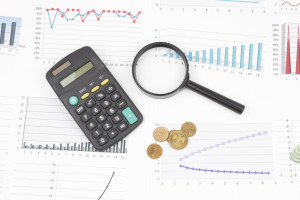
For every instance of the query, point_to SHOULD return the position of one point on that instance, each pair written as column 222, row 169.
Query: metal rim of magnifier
column 156, row 45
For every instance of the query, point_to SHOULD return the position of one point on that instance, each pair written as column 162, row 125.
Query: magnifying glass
column 161, row 70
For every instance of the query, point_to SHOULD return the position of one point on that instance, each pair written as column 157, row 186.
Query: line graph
column 223, row 171
column 217, row 146
column 221, row 151
column 107, row 185
column 78, row 178
column 76, row 13
column 287, row 3
column 288, row 6
column 115, row 35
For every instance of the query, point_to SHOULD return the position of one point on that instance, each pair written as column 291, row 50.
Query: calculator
column 94, row 98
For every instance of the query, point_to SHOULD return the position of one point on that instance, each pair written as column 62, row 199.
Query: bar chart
column 218, row 49
column 10, row 31
column 49, row 126
column 291, row 49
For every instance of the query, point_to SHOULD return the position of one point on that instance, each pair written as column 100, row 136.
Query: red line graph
column 290, row 4
column 98, row 15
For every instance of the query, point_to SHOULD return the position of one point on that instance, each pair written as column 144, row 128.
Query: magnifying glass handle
column 228, row 103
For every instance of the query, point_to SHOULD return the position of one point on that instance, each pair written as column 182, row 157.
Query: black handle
column 228, row 103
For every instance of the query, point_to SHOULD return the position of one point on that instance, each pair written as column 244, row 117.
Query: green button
column 73, row 100
column 129, row 115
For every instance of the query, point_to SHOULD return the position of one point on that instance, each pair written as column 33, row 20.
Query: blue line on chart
column 223, row 143
column 83, row 15
column 225, row 171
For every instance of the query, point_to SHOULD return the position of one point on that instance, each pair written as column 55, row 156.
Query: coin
column 189, row 128
column 178, row 139
column 161, row 134
column 171, row 132
column 154, row 151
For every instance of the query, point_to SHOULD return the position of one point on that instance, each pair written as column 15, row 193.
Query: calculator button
column 90, row 102
column 105, row 82
column 91, row 125
column 108, row 125
column 100, row 96
column 73, row 100
column 96, row 133
column 95, row 88
column 129, row 115
column 121, row 104
column 115, row 96
column 106, row 103
column 117, row 118
column 85, row 96
column 95, row 110
column 109, row 89
column 122, row 126
column 111, row 111
column 86, row 117
column 80, row 109
column 113, row 133
column 101, row 118
column 102, row 140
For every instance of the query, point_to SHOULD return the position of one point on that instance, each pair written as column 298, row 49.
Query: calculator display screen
column 75, row 75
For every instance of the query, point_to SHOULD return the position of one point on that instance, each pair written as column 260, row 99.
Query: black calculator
column 94, row 98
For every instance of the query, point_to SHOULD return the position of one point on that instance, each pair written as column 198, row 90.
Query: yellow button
column 95, row 88
column 105, row 82
column 85, row 95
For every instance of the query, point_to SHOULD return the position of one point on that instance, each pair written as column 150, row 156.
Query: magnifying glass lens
column 160, row 70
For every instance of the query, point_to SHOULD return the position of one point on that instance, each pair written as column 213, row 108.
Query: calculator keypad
column 86, row 117
column 109, row 89
column 106, row 103
column 90, row 102
column 106, row 115
column 80, row 109
column 121, row 104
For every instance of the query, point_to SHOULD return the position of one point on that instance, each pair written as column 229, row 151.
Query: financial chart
column 289, row 135
column 114, row 34
column 9, row 35
column 289, row 6
column 215, row 3
column 222, row 152
column 291, row 49
column 65, row 179
column 246, row 50
column 49, row 126
column 219, row 49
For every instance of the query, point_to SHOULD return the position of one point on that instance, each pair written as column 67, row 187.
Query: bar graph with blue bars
column 236, row 56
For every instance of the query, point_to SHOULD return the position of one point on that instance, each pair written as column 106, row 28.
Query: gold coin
column 189, row 128
column 171, row 132
column 178, row 139
column 161, row 134
column 154, row 151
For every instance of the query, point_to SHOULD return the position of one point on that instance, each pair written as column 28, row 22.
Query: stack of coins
column 295, row 155
column 178, row 139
